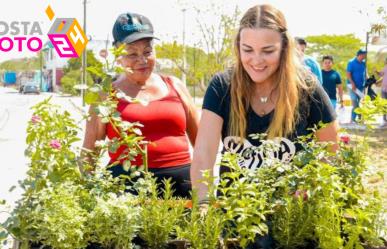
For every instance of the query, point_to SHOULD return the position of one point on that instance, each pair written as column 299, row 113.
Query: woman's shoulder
column 171, row 80
column 223, row 77
column 117, row 82
column 168, row 78
column 221, row 81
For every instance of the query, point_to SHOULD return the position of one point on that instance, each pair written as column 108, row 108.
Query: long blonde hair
column 288, row 77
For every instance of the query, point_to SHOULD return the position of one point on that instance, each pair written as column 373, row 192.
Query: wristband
column 204, row 201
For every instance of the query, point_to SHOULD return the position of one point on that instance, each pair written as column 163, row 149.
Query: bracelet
column 204, row 201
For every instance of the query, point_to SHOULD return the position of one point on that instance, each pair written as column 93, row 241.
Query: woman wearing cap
column 167, row 119
column 266, row 91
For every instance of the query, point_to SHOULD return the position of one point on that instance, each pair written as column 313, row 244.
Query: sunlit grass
column 377, row 156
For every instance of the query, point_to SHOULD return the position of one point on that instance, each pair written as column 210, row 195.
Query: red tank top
column 164, row 122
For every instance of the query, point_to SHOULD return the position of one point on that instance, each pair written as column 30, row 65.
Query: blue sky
column 305, row 17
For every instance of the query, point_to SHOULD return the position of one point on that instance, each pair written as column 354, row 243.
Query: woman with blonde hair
column 266, row 91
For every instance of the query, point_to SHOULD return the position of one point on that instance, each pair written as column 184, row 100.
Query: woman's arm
column 206, row 148
column 192, row 114
column 329, row 134
column 95, row 130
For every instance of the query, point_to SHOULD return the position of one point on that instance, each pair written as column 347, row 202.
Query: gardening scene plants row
column 316, row 200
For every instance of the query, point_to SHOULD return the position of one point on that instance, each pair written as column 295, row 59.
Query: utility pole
column 184, row 77
column 41, row 69
column 84, row 57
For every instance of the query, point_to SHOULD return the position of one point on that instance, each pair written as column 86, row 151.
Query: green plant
column 59, row 219
column 203, row 225
column 317, row 198
column 57, row 197
column 244, row 202
column 202, row 231
column 114, row 221
column 370, row 109
column 159, row 217
column 51, row 134
column 286, row 224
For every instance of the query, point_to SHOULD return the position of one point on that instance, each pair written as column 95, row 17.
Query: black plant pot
column 38, row 245
column 172, row 244
column 178, row 244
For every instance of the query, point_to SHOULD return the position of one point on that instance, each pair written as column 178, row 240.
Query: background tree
column 72, row 73
column 341, row 47
column 212, row 52
column 76, row 63
column 381, row 26
column 217, row 39
column 380, row 29
column 196, row 60
column 23, row 64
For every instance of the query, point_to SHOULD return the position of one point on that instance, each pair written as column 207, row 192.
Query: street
column 15, row 113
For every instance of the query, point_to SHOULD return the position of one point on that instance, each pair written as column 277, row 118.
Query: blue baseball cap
column 131, row 27
column 361, row 51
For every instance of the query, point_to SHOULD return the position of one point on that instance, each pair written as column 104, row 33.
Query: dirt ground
column 377, row 158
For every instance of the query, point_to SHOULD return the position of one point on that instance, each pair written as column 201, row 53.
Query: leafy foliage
column 213, row 51
column 52, row 164
column 341, row 47
column 318, row 197
column 72, row 79
column 245, row 204
column 24, row 64
column 59, row 218
column 370, row 109
column 72, row 73
column 114, row 221
column 203, row 230
column 159, row 217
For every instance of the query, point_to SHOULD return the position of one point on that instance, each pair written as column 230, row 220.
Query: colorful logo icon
column 66, row 35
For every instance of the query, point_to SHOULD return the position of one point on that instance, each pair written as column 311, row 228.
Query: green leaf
column 12, row 188
column 97, row 71
column 91, row 97
column 126, row 165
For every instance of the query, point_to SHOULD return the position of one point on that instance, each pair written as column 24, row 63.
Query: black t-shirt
column 218, row 100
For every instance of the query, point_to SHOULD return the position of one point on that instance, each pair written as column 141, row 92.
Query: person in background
column 169, row 117
column 356, row 75
column 331, row 81
column 308, row 61
column 266, row 91
column 383, row 73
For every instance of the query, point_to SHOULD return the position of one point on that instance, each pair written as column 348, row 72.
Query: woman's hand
column 205, row 150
